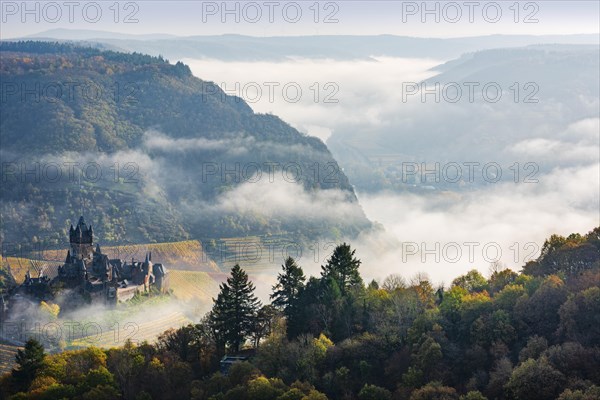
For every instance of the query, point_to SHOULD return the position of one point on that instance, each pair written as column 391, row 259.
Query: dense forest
column 523, row 336
column 145, row 149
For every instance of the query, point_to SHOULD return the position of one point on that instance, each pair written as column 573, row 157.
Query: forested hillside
column 532, row 335
column 146, row 150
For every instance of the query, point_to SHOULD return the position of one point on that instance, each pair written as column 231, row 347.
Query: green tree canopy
column 29, row 361
column 289, row 284
column 342, row 267
column 234, row 310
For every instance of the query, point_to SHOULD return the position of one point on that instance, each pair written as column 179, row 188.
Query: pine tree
column 29, row 361
column 342, row 268
column 234, row 310
column 289, row 284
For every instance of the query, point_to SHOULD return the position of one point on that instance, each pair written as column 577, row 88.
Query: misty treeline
column 528, row 335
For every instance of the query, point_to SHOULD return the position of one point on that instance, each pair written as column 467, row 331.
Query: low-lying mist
column 98, row 324
column 445, row 231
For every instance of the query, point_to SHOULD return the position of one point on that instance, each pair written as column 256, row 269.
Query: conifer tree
column 289, row 285
column 342, row 268
column 29, row 361
column 234, row 310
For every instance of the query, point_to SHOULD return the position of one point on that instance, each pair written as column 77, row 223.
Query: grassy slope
column 7, row 357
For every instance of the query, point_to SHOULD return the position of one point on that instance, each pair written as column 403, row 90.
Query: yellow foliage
column 156, row 364
column 51, row 309
column 478, row 297
column 320, row 345
column 553, row 281
column 41, row 383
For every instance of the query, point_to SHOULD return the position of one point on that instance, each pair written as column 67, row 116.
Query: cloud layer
column 559, row 135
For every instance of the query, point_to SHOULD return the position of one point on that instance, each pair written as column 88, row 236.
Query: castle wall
column 162, row 283
column 125, row 294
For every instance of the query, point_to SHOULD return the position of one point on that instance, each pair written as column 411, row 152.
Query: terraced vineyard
column 18, row 267
column 254, row 253
column 193, row 285
column 117, row 334
column 7, row 357
column 186, row 255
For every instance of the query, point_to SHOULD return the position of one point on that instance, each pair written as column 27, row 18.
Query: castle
column 90, row 273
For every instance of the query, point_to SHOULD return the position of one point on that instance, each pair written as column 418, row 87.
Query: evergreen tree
column 263, row 323
column 289, row 285
column 29, row 361
column 342, row 268
column 234, row 310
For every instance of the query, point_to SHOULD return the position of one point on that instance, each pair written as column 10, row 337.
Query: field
column 118, row 333
column 7, row 357
column 193, row 286
column 254, row 253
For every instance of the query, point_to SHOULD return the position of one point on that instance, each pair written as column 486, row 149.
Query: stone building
column 102, row 279
column 90, row 276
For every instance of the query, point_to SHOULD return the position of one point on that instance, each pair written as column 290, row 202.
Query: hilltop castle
column 92, row 274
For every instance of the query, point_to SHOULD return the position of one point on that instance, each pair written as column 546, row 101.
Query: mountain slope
column 151, row 153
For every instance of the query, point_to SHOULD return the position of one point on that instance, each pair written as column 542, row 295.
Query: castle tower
column 147, row 271
column 82, row 241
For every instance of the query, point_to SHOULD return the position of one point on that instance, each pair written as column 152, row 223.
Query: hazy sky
column 273, row 18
